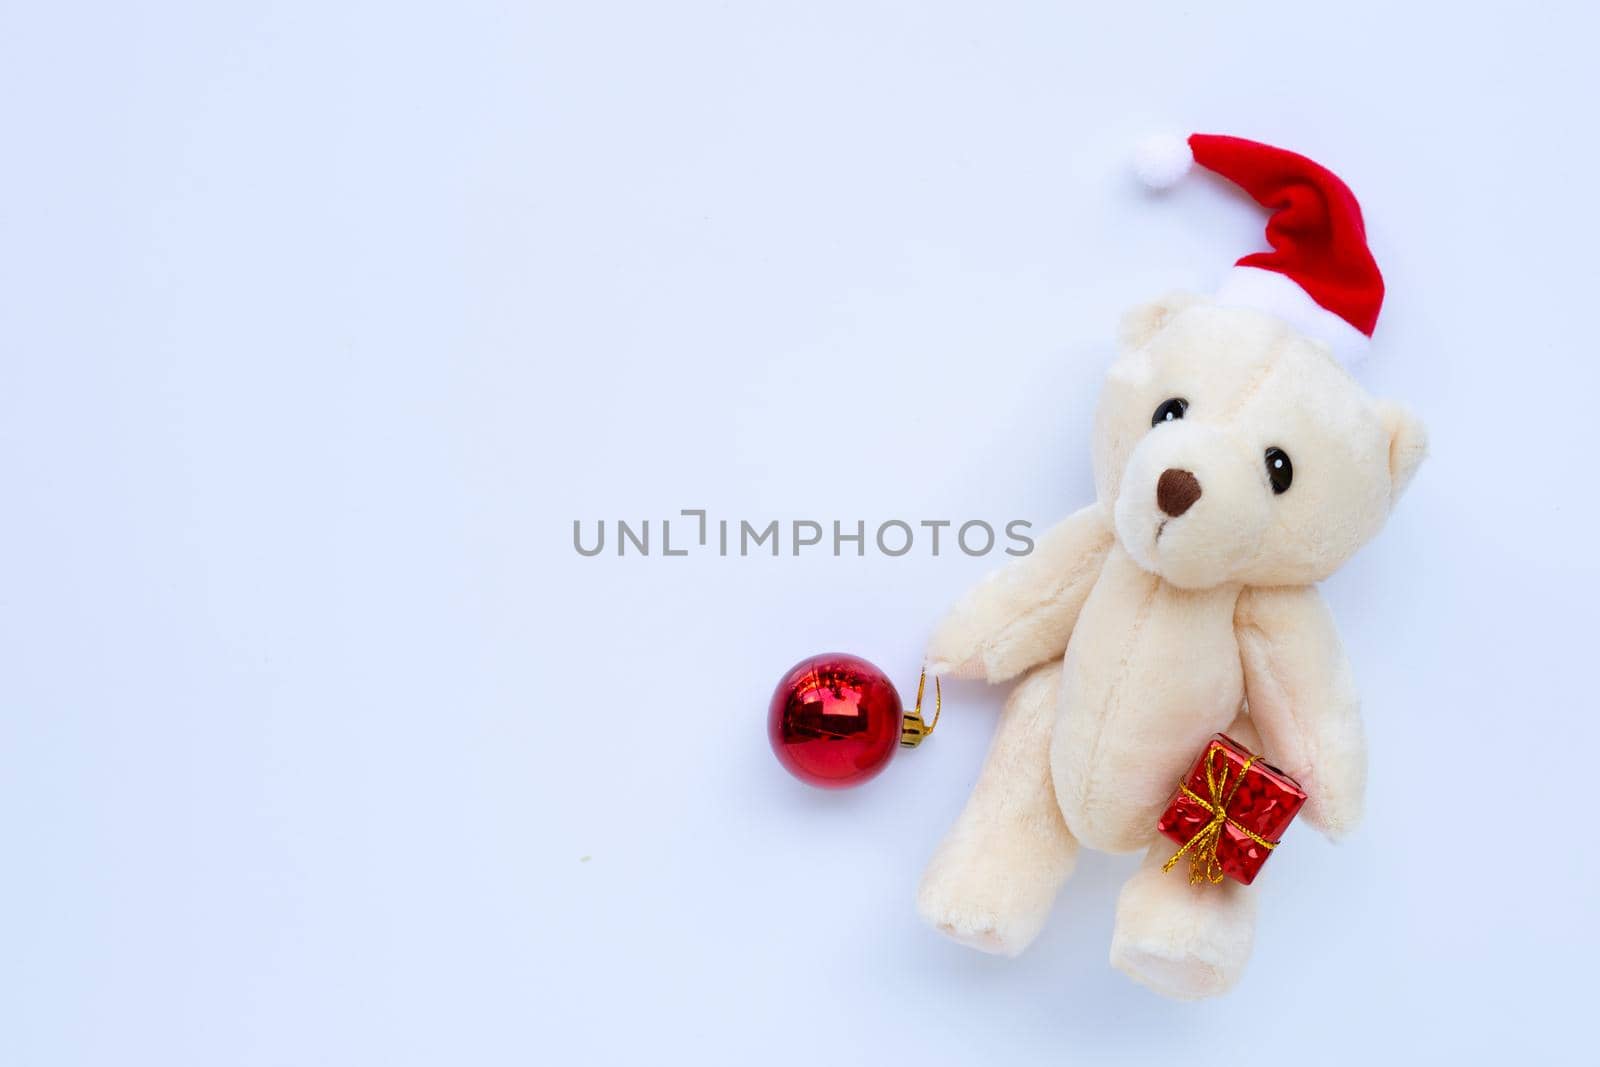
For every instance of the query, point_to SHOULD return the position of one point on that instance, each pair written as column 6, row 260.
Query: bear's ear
column 1146, row 320
column 1408, row 444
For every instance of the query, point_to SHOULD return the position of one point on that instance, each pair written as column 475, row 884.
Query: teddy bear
column 1237, row 462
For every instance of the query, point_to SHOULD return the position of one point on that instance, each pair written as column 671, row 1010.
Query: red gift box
column 1229, row 812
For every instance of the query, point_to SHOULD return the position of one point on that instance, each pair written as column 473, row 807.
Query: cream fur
column 993, row 880
column 1303, row 701
column 1146, row 633
column 1021, row 616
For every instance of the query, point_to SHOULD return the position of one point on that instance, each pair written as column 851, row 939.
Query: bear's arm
column 1022, row 615
column 1302, row 699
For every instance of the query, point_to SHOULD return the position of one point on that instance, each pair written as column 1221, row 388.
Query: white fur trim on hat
column 1277, row 294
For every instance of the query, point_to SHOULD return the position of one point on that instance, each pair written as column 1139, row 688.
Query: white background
column 321, row 323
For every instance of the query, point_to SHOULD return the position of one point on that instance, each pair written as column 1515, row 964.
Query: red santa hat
column 1320, row 276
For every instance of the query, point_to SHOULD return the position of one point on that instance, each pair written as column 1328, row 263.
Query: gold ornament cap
column 913, row 730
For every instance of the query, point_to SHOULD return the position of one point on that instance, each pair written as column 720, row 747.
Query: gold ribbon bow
column 1203, row 863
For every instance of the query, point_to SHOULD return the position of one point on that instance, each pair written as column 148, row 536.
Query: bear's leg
column 992, row 881
column 1182, row 940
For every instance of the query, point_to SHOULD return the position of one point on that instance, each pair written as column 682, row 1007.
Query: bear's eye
column 1169, row 411
column 1280, row 472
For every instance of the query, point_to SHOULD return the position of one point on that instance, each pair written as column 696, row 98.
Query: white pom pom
column 1162, row 161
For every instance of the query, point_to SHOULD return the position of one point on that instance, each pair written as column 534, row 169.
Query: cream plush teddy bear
column 1236, row 464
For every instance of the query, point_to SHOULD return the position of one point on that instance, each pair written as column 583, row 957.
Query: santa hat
column 1320, row 276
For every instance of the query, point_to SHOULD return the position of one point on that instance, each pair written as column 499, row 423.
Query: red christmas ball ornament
column 835, row 719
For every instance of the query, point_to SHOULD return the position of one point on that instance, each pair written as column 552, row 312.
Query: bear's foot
column 1181, row 940
column 994, row 895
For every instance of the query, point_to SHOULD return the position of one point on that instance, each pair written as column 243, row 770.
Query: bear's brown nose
column 1176, row 491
